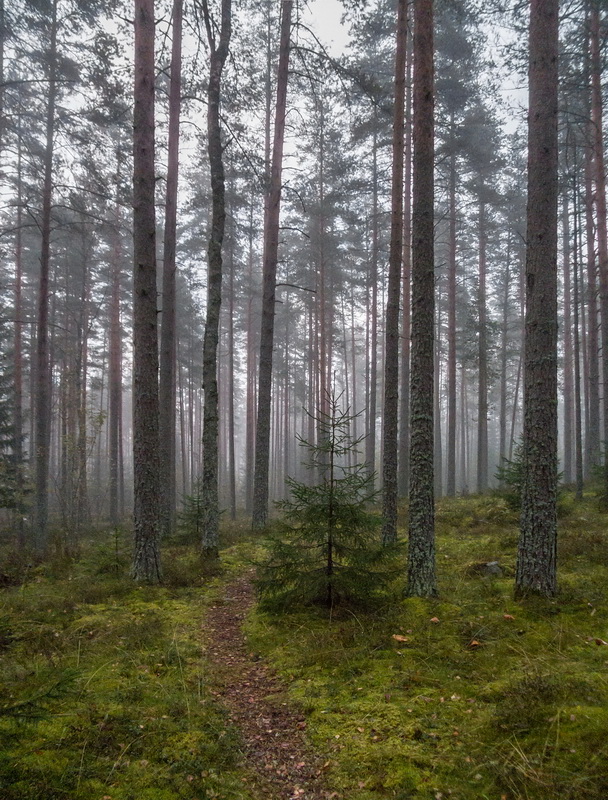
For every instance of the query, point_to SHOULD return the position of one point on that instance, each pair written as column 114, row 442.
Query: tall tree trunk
column 577, row 364
column 209, row 486
column 391, row 363
column 568, row 353
column 167, row 384
column 251, row 373
column 372, row 394
column 271, row 248
column 421, row 552
column 482, row 396
column 115, row 359
column 231, row 388
column 592, row 382
column 451, row 432
column 504, row 344
column 600, row 205
column 404, row 401
column 536, row 557
column 146, row 512
column 42, row 401
column 2, row 49
column 18, row 346
column 437, row 437
column 464, row 432
column 81, row 374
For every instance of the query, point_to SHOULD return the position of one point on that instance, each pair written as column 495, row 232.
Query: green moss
column 103, row 688
column 496, row 698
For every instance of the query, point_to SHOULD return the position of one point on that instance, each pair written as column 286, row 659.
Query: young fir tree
column 327, row 549
column 191, row 518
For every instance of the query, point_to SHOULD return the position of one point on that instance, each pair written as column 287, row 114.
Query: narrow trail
column 277, row 754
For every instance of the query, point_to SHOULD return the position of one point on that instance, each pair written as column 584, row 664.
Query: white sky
column 323, row 16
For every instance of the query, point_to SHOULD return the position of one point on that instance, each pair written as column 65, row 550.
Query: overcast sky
column 324, row 17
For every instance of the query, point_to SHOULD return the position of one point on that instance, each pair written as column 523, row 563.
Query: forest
column 303, row 417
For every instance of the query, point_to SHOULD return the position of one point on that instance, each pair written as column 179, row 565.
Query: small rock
column 486, row 569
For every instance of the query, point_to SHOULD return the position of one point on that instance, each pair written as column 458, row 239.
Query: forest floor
column 280, row 760
column 190, row 691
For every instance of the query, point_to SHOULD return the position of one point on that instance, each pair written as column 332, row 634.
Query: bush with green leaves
column 326, row 548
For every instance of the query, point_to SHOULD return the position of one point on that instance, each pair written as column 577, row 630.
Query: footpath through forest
column 282, row 763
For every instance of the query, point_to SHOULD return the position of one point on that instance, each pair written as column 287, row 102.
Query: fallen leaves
column 508, row 617
column 435, row 620
column 399, row 638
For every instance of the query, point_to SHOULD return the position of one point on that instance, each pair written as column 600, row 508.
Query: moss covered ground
column 104, row 692
column 472, row 695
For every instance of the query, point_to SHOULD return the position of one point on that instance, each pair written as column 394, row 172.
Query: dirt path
column 272, row 731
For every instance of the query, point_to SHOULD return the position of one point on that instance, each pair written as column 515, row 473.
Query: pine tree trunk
column 451, row 432
column 271, row 247
column 146, row 514
column 251, row 374
column 209, row 485
column 600, row 205
column 482, row 395
column 231, row 388
column 536, row 558
column 391, row 363
column 421, row 552
column 404, row 410
column 167, row 384
column 370, row 441
column 42, row 399
column 504, row 343
column 115, row 366
column 568, row 353
column 577, row 363
column 437, row 437
column 18, row 346
column 592, row 378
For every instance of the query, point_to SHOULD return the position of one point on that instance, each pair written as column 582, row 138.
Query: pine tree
column 537, row 552
column 326, row 551
column 11, row 479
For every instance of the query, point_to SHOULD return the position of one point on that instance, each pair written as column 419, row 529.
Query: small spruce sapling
column 326, row 550
column 191, row 517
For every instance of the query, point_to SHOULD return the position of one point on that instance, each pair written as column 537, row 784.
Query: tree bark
column 115, row 359
column 600, row 206
column 209, row 486
column 271, row 248
column 504, row 344
column 42, row 400
column 167, row 384
column 391, row 362
column 404, row 401
column 146, row 513
column 482, row 394
column 18, row 345
column 577, row 364
column 568, row 352
column 592, row 379
column 536, row 557
column 421, row 553
column 451, row 432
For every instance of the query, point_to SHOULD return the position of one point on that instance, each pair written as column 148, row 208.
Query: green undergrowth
column 103, row 689
column 472, row 695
